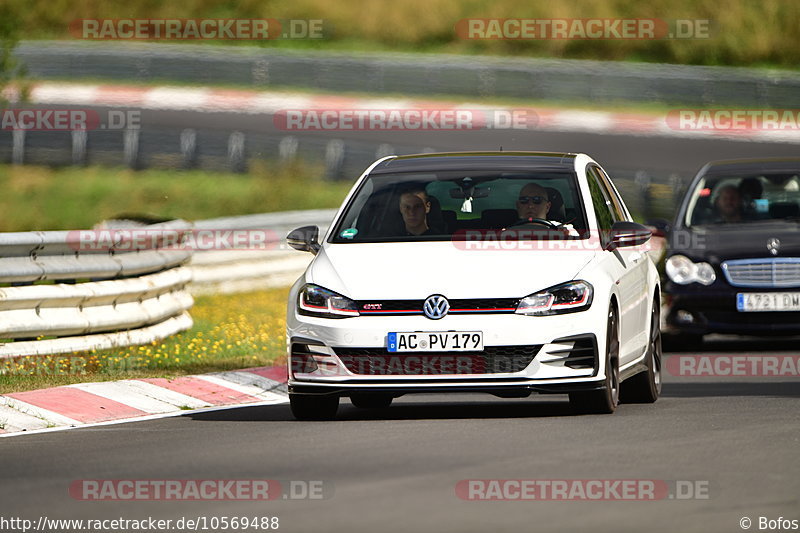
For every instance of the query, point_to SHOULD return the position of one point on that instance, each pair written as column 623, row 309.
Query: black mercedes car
column 733, row 256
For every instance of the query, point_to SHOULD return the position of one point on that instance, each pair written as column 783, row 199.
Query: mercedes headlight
column 683, row 271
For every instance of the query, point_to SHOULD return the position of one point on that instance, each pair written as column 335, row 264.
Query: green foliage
column 11, row 71
column 42, row 198
column 743, row 32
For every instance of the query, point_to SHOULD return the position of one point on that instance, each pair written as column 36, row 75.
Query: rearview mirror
column 628, row 234
column 477, row 192
column 304, row 239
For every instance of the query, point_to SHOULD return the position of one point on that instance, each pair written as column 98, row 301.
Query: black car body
column 745, row 277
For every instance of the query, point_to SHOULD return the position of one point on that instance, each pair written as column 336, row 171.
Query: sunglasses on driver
column 528, row 199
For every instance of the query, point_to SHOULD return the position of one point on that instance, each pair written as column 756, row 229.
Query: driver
column 729, row 204
column 533, row 203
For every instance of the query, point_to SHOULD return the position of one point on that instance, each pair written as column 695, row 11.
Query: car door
column 641, row 259
column 629, row 266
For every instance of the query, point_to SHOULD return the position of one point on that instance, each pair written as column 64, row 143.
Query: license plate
column 768, row 301
column 435, row 341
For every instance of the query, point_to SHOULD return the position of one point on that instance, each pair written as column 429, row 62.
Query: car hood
column 410, row 271
column 736, row 241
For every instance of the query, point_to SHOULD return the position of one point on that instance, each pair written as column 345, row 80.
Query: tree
column 12, row 71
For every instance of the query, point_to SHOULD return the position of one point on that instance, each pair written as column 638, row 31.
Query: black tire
column 313, row 406
column 371, row 401
column 645, row 387
column 605, row 400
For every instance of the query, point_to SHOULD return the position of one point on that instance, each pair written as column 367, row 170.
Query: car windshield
column 745, row 198
column 448, row 205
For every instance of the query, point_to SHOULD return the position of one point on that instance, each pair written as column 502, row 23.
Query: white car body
column 624, row 278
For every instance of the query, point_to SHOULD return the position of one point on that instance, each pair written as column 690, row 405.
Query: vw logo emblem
column 774, row 246
column 436, row 307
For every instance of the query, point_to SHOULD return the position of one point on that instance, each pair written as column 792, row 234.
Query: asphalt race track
column 733, row 441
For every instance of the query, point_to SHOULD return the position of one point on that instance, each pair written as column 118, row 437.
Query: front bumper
column 563, row 360
column 503, row 390
column 696, row 309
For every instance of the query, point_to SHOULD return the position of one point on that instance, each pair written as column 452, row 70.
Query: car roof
column 768, row 165
column 472, row 161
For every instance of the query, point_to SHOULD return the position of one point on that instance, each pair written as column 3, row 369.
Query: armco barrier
column 226, row 271
column 59, row 298
column 88, row 299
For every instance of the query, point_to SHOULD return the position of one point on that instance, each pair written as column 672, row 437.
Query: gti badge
column 774, row 246
column 436, row 307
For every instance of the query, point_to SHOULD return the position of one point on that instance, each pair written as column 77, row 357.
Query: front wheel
column 313, row 406
column 606, row 399
column 645, row 387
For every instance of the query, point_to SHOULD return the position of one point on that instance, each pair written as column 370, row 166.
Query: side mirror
column 304, row 239
column 661, row 226
column 628, row 234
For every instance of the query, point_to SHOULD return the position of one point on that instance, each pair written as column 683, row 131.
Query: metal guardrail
column 475, row 76
column 158, row 146
column 228, row 271
column 56, row 255
column 126, row 293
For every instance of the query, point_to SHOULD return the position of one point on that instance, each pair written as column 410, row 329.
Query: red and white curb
column 84, row 404
column 205, row 99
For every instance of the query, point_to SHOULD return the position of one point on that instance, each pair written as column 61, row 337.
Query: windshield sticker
column 349, row 233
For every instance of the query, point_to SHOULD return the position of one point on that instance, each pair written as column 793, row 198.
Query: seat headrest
column 557, row 211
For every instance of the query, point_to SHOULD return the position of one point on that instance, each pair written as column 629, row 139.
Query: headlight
column 565, row 298
column 683, row 271
column 313, row 300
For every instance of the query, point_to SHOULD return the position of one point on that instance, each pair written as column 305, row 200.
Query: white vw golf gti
column 503, row 272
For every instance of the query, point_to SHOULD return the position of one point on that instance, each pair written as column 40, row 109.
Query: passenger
column 414, row 207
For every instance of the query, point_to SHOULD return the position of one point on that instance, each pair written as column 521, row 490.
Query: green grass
column 743, row 32
column 41, row 198
column 229, row 332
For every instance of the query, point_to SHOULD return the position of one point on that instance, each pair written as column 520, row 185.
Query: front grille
column 493, row 360
column 771, row 273
column 457, row 306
